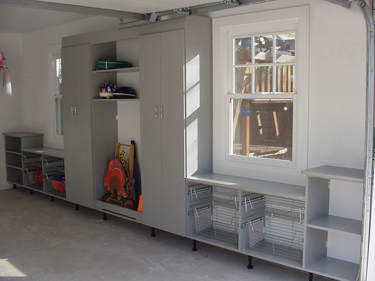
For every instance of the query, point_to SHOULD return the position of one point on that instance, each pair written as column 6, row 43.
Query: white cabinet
column 175, row 102
column 162, row 130
column 334, row 221
column 76, row 108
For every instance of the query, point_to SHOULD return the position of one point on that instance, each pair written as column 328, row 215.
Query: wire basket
column 281, row 228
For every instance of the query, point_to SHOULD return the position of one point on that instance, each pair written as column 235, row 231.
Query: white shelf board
column 279, row 259
column 109, row 100
column 336, row 173
column 47, row 151
column 335, row 268
column 121, row 70
column 337, row 224
column 118, row 211
column 290, row 191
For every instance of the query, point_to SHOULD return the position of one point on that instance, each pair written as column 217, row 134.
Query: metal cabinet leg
column 77, row 207
column 250, row 262
column 311, row 276
column 104, row 216
column 195, row 245
column 52, row 199
column 153, row 232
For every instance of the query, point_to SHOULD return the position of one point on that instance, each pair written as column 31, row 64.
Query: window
column 262, row 97
column 260, row 94
column 56, row 82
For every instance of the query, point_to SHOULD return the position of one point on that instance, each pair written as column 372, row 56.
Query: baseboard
column 5, row 185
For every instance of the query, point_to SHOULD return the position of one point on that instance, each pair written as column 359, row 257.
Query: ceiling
column 20, row 16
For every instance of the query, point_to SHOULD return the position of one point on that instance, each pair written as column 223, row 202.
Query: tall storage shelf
column 333, row 221
column 107, row 113
column 258, row 218
column 14, row 143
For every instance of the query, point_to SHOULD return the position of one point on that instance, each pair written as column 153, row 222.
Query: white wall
column 38, row 103
column 337, row 83
column 11, row 114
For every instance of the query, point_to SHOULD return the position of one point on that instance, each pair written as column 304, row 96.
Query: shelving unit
column 107, row 112
column 51, row 162
column 259, row 218
column 333, row 221
column 14, row 142
column 25, row 154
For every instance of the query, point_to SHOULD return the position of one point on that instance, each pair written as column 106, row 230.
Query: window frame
column 253, row 32
column 54, row 53
column 294, row 19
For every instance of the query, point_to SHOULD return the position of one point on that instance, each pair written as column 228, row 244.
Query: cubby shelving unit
column 106, row 113
column 258, row 218
column 334, row 221
column 25, row 153
column 14, row 143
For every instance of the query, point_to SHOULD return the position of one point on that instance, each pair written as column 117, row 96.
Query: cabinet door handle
column 162, row 112
column 72, row 109
column 75, row 109
column 156, row 111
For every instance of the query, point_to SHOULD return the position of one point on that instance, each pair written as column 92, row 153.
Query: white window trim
column 295, row 19
column 54, row 52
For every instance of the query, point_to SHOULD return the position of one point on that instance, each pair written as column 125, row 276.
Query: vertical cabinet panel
column 77, row 124
column 162, row 130
column 173, row 131
column 149, row 62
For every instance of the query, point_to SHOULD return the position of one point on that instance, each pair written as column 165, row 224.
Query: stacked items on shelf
column 120, row 178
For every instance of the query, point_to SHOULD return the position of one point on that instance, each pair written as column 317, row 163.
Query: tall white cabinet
column 175, row 69
column 162, row 130
column 76, row 108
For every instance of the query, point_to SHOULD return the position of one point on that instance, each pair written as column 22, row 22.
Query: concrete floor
column 42, row 240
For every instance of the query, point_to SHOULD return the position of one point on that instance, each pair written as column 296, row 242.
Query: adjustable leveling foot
column 250, row 262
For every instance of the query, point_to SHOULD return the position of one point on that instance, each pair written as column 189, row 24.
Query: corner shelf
column 335, row 223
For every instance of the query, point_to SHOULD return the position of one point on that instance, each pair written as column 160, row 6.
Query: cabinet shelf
column 269, row 256
column 251, row 185
column 16, row 152
column 117, row 70
column 18, row 167
column 118, row 211
column 336, row 173
column 335, row 268
column 113, row 100
column 334, row 223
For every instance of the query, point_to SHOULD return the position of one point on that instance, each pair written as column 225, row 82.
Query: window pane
column 242, row 77
column 262, row 128
column 242, row 51
column 58, row 110
column 263, row 49
column 58, row 76
column 263, row 79
column 285, row 79
column 286, row 48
